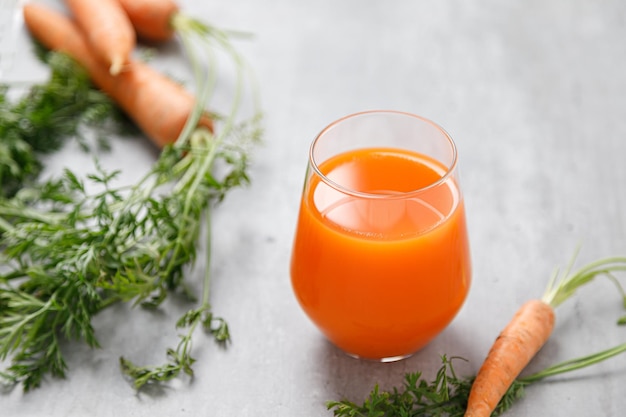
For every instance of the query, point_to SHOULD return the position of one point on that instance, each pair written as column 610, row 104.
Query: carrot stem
column 574, row 364
column 206, row 289
column 559, row 290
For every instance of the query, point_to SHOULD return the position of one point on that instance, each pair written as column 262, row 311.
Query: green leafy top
column 75, row 246
column 47, row 115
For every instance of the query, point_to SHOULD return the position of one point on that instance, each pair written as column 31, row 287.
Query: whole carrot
column 153, row 20
column 516, row 345
column 159, row 106
column 525, row 334
column 108, row 30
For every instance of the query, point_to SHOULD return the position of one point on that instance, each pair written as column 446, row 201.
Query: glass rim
column 450, row 168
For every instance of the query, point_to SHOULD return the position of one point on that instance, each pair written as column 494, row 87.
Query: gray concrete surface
column 534, row 93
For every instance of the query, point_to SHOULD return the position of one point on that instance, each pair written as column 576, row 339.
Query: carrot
column 516, row 345
column 108, row 29
column 525, row 334
column 159, row 106
column 153, row 20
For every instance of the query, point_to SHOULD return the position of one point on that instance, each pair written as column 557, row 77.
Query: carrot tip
column 116, row 66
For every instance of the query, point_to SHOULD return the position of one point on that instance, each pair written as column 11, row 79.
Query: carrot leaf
column 200, row 174
column 444, row 396
column 447, row 394
column 49, row 114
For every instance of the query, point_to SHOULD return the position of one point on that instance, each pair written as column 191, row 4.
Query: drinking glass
column 380, row 260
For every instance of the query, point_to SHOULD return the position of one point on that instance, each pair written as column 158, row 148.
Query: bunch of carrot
column 156, row 232
column 101, row 36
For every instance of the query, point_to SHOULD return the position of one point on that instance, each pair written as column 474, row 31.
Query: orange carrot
column 108, row 29
column 152, row 19
column 158, row 105
column 516, row 345
column 526, row 333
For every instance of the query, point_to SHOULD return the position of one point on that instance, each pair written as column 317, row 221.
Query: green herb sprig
column 66, row 106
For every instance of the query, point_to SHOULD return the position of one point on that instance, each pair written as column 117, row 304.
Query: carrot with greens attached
column 129, row 243
column 108, row 30
column 525, row 334
column 153, row 20
column 159, row 106
column 157, row 21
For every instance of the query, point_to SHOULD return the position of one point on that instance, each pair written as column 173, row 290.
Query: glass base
column 381, row 360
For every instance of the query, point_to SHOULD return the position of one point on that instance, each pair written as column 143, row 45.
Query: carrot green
column 74, row 246
column 48, row 115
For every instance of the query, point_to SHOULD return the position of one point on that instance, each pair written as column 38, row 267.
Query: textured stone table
column 534, row 93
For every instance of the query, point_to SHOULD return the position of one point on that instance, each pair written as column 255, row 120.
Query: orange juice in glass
column 380, row 260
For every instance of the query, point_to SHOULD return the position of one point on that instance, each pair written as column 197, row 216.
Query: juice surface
column 381, row 276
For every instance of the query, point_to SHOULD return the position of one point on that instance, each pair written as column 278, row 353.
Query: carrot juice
column 380, row 259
